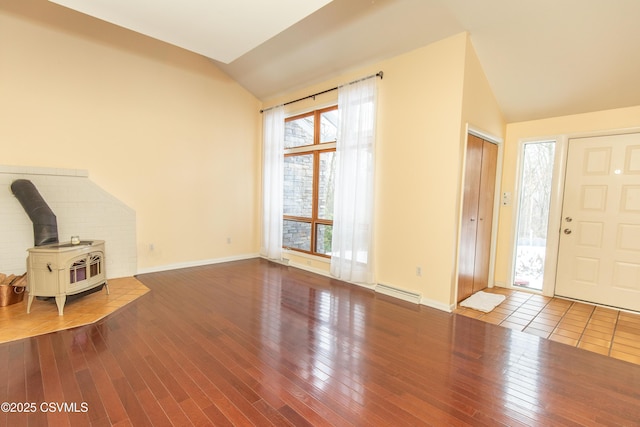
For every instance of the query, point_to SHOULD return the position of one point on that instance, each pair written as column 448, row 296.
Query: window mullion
column 314, row 209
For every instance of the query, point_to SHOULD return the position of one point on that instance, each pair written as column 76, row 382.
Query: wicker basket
column 12, row 290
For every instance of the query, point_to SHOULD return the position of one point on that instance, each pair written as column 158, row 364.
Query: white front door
column 599, row 254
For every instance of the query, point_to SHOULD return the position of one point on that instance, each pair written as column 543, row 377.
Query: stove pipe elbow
column 45, row 225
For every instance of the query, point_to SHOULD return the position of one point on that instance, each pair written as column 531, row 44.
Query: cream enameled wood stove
column 62, row 269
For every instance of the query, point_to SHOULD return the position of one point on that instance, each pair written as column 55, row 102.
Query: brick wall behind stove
column 82, row 209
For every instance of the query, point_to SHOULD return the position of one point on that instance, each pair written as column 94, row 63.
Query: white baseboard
column 388, row 290
column 413, row 297
column 438, row 305
column 402, row 294
column 199, row 263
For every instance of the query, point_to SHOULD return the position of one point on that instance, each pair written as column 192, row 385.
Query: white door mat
column 483, row 301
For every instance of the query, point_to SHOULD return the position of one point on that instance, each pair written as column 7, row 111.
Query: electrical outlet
column 151, row 246
column 418, row 271
column 228, row 240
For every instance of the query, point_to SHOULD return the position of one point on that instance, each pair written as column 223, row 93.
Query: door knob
column 567, row 231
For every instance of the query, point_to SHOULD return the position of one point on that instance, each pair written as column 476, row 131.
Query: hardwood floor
column 257, row 343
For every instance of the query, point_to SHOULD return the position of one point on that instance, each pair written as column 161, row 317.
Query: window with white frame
column 536, row 175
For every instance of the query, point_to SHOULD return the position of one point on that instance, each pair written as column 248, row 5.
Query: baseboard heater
column 399, row 293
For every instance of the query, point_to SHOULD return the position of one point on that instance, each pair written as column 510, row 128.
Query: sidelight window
column 533, row 213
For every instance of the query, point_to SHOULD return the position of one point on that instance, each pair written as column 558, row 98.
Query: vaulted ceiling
column 543, row 58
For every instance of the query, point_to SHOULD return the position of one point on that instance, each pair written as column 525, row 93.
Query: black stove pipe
column 45, row 225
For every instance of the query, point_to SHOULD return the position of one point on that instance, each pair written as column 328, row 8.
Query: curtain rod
column 378, row 74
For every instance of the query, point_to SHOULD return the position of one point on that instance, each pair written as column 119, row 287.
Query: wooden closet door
column 485, row 215
column 469, row 226
column 477, row 216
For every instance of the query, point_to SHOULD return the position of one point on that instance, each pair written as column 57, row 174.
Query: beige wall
column 480, row 108
column 557, row 127
column 418, row 168
column 422, row 115
column 162, row 129
column 481, row 113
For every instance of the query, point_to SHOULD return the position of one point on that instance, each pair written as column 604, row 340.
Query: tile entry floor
column 603, row 330
column 15, row 323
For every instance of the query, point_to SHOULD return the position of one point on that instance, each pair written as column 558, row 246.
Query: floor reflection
column 324, row 327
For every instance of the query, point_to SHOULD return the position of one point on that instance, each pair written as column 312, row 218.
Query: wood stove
column 57, row 269
column 62, row 269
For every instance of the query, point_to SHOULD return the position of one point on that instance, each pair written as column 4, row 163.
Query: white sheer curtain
column 352, row 241
column 272, row 182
